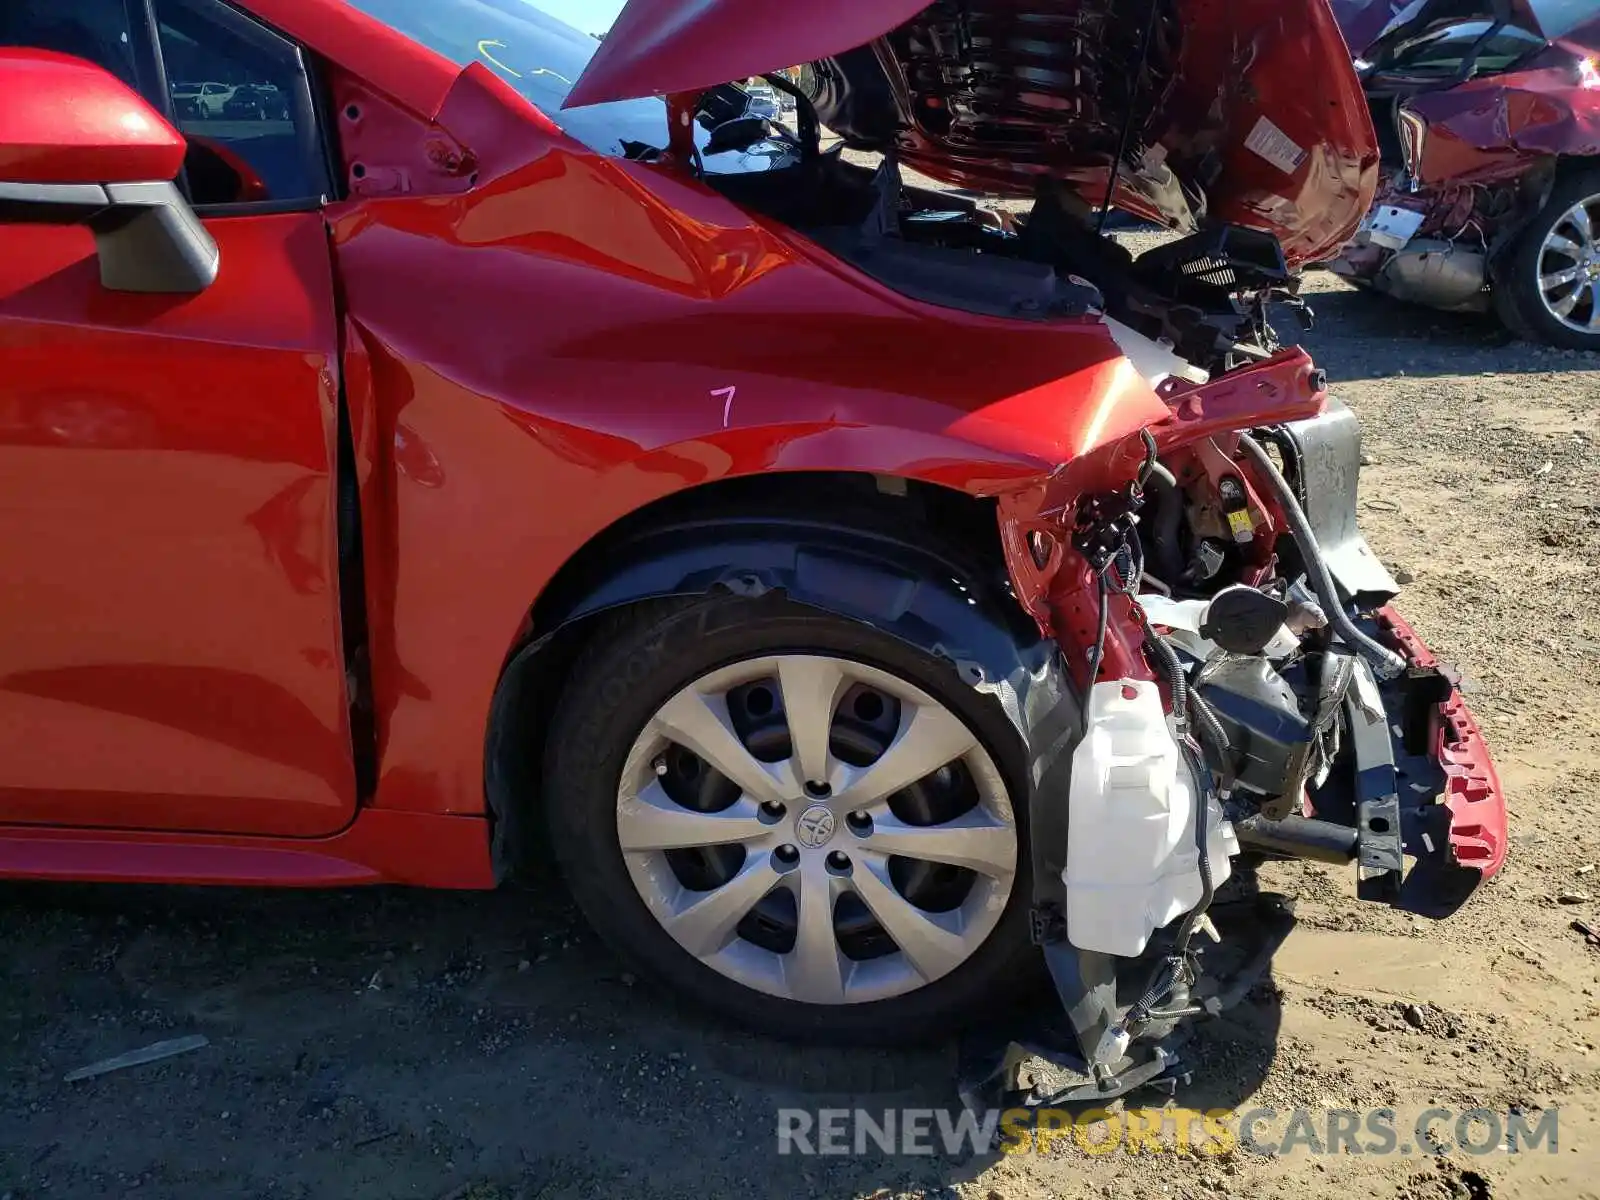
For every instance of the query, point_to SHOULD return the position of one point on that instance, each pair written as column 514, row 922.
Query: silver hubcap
column 1569, row 269
column 817, row 829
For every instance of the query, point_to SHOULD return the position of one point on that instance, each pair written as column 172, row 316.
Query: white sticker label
column 1276, row 146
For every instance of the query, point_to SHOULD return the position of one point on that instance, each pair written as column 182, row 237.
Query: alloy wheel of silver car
column 817, row 829
column 1568, row 266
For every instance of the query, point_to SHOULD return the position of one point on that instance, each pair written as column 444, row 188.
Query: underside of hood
column 1240, row 111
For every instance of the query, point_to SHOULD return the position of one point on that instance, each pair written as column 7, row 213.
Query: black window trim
column 306, row 106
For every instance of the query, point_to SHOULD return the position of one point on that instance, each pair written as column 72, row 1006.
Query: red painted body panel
column 636, row 297
column 63, row 120
column 366, row 48
column 1506, row 124
column 1207, row 126
column 421, row 849
column 1253, row 57
column 170, row 652
column 1479, row 832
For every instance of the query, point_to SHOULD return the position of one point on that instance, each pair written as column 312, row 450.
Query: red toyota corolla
column 428, row 434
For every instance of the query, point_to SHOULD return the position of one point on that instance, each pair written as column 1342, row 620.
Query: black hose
column 1167, row 517
column 1096, row 654
column 1159, row 987
column 1175, row 676
column 1152, row 464
column 1208, row 724
column 1385, row 662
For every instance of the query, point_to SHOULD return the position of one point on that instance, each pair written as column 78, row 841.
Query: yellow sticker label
column 1239, row 521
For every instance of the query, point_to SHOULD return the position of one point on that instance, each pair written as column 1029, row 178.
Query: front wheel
column 1548, row 287
column 793, row 820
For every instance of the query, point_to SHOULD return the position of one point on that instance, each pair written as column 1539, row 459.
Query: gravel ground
column 388, row 1043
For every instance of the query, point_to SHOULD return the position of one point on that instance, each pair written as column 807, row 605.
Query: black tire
column 1517, row 298
column 631, row 667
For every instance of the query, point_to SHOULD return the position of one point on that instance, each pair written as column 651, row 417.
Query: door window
column 240, row 95
column 239, row 92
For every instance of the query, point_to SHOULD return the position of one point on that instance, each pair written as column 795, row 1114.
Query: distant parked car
column 200, row 99
column 255, row 103
column 213, row 96
column 763, row 101
column 186, row 101
column 1491, row 189
column 277, row 103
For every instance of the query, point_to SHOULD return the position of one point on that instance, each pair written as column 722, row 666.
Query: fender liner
column 935, row 601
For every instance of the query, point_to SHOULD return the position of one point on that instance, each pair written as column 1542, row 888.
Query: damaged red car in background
column 525, row 443
column 1488, row 115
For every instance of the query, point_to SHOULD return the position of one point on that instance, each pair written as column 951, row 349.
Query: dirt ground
column 403, row 1044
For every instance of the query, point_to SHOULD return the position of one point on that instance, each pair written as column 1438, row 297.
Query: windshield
column 535, row 53
column 1452, row 48
column 1429, row 42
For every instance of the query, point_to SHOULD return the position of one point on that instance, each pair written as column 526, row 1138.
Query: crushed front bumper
column 1412, row 799
column 1425, row 785
column 1470, row 809
column 1424, row 792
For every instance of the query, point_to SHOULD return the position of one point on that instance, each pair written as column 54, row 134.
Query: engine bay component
column 1299, row 837
column 1260, row 713
column 1323, row 457
column 1243, row 620
column 1385, row 661
column 1132, row 864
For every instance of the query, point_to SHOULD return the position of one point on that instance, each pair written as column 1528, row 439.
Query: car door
column 170, row 651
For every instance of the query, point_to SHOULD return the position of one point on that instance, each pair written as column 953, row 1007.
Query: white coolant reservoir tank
column 1132, row 864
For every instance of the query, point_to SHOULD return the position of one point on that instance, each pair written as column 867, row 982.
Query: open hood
column 1242, row 111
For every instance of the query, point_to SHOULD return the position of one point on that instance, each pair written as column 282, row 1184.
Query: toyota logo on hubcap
column 815, row 826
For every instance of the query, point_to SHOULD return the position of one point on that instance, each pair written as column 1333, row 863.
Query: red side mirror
column 64, row 120
column 79, row 147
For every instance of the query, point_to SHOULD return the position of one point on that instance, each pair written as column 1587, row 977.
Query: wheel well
column 959, row 525
column 954, row 526
column 1538, row 184
column 1567, row 165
